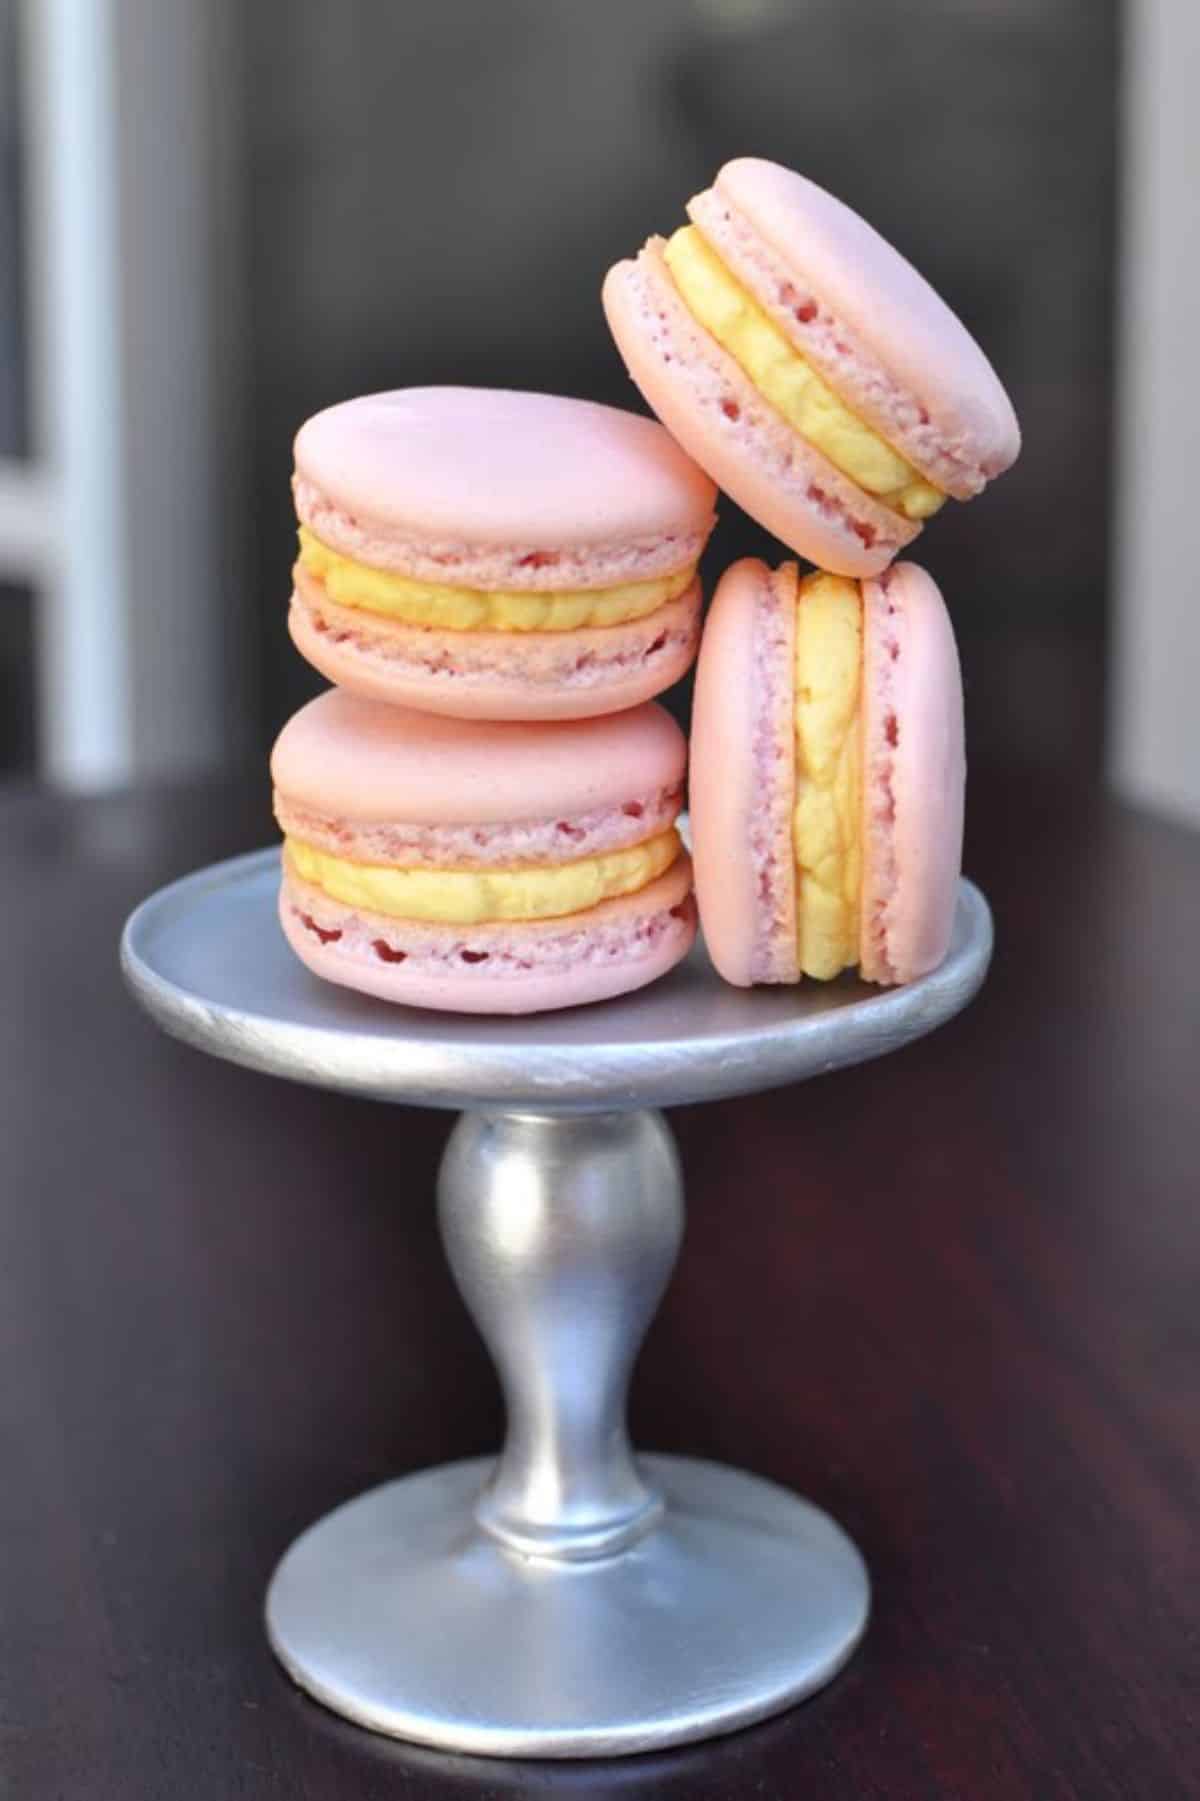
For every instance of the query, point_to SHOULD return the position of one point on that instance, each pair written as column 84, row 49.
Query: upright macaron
column 496, row 555
column 827, row 775
column 482, row 867
column 809, row 368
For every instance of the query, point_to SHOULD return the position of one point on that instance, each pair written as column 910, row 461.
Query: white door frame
column 122, row 521
column 1154, row 735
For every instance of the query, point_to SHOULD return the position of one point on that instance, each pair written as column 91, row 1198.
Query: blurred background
column 216, row 218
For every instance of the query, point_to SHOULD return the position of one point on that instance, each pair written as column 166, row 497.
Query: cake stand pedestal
column 570, row 1599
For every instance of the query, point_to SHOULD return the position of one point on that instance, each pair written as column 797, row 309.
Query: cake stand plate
column 207, row 959
column 568, row 1599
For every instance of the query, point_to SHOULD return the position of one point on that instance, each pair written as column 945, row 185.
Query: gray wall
column 437, row 188
column 432, row 191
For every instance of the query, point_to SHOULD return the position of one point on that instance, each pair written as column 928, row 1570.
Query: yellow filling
column 415, row 602
column 475, row 896
column 827, row 821
column 783, row 377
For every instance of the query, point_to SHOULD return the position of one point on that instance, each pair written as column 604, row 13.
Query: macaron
column 827, row 775
column 477, row 866
column 496, row 555
column 809, row 368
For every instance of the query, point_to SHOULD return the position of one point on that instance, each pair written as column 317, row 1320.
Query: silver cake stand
column 570, row 1599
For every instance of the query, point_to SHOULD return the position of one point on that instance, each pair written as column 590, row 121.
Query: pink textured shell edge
column 612, row 949
column 713, row 408
column 499, row 675
column 884, row 337
column 742, row 781
column 914, row 776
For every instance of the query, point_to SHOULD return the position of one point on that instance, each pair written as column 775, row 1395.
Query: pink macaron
column 479, row 866
column 497, row 555
column 809, row 368
column 827, row 775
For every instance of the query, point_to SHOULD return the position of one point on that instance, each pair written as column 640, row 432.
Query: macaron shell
column 555, row 839
column 610, row 958
column 494, row 466
column 508, row 567
column 742, row 778
column 712, row 407
column 500, row 675
column 914, row 770
column 850, row 367
column 883, row 301
column 357, row 759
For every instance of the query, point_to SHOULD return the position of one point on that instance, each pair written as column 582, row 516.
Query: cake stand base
column 397, row 1611
column 568, row 1599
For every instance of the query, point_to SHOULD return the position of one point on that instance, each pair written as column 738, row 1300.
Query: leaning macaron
column 827, row 775
column 809, row 368
column 482, row 867
column 496, row 555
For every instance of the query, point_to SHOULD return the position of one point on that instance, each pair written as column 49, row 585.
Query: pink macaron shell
column 703, row 397
column 523, row 567
column 451, row 471
column 510, row 844
column 742, row 780
column 361, row 760
column 914, row 773
column 883, row 303
column 498, row 675
column 611, row 949
column 851, row 368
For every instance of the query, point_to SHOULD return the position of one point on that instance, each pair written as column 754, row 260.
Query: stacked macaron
column 827, row 775
column 809, row 368
column 481, row 815
column 497, row 555
column 483, row 866
column 824, row 384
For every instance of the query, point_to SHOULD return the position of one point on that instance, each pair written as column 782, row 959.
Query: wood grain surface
column 953, row 1297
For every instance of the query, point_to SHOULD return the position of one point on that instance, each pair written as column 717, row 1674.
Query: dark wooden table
column 954, row 1297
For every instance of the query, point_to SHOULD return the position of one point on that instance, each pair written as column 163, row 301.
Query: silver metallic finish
column 561, row 1234
column 391, row 1610
column 207, row 959
column 570, row 1600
